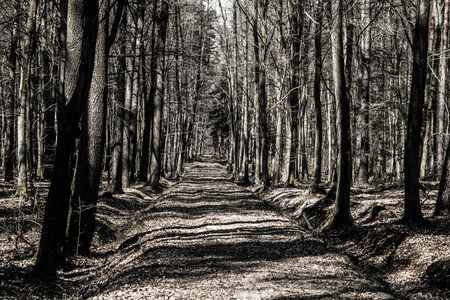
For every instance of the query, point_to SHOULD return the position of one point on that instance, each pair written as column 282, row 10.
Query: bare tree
column 341, row 216
column 24, row 98
column 413, row 211
column 81, row 40
column 157, row 94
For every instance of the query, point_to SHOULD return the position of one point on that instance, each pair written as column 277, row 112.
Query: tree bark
column 24, row 98
column 342, row 216
column 157, row 93
column 117, row 143
column 295, row 24
column 81, row 40
column 317, row 100
column 412, row 212
column 364, row 92
column 91, row 148
column 442, row 207
column 9, row 110
column 145, row 145
column 442, row 89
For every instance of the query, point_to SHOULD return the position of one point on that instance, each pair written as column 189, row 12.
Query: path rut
column 213, row 239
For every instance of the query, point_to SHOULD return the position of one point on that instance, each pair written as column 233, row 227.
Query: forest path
column 213, row 239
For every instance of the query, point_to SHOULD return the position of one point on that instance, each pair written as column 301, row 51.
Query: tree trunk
column 430, row 100
column 342, row 216
column 364, row 92
column 245, row 101
column 412, row 207
column 442, row 207
column 81, row 40
column 24, row 98
column 148, row 107
column 91, row 148
column 295, row 24
column 119, row 103
column 317, row 100
column 158, row 93
column 442, row 93
column 9, row 110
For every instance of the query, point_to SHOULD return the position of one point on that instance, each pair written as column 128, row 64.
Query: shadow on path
column 211, row 239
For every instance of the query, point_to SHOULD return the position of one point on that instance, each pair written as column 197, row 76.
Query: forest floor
column 206, row 237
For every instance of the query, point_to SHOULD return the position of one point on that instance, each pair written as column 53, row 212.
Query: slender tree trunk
column 295, row 24
column 127, row 120
column 81, row 40
column 158, row 94
column 302, row 158
column 134, row 80
column 9, row 110
column 317, row 100
column 430, row 98
column 413, row 211
column 364, row 89
column 278, row 135
column 119, row 103
column 245, row 100
column 443, row 86
column 257, row 112
column 442, row 207
column 149, row 106
column 25, row 98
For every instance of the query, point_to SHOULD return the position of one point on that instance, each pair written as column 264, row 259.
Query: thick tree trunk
column 342, row 216
column 413, row 211
column 81, row 40
column 158, row 93
column 91, row 148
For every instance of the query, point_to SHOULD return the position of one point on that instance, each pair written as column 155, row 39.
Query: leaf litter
column 206, row 237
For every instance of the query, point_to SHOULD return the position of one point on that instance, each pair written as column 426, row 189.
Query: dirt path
column 212, row 239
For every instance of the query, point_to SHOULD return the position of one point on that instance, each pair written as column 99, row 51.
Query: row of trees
column 355, row 91
column 94, row 86
column 376, row 71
